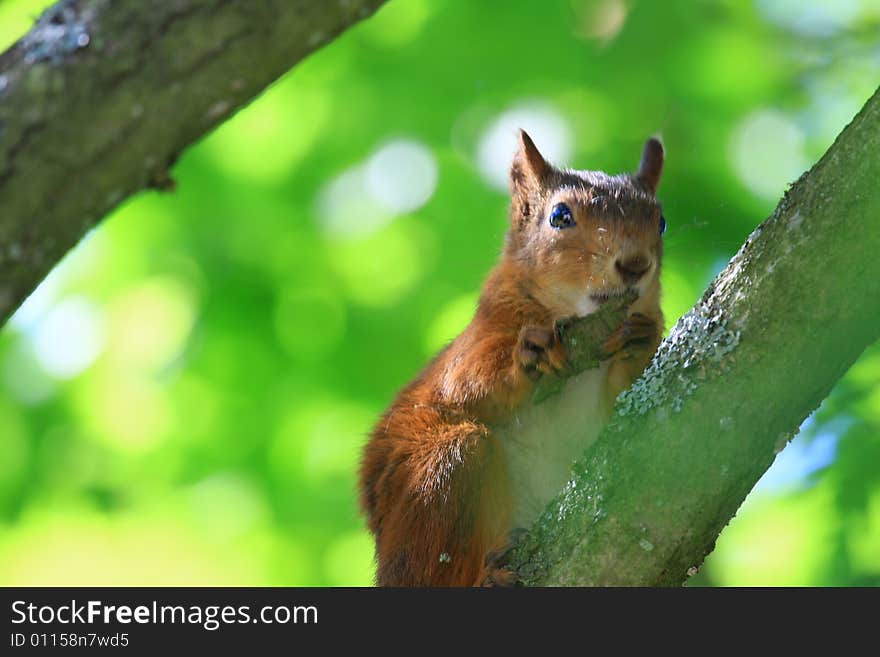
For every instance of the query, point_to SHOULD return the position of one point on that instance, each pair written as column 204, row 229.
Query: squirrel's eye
column 561, row 217
column 662, row 224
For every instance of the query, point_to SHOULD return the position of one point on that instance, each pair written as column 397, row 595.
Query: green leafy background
column 183, row 401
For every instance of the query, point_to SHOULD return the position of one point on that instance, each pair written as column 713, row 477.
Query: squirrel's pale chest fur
column 539, row 460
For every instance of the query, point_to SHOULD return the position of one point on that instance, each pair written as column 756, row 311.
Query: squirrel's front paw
column 637, row 333
column 498, row 571
column 540, row 351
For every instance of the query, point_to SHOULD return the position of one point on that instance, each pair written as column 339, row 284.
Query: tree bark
column 728, row 388
column 100, row 97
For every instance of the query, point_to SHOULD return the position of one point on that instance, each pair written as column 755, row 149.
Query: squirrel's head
column 585, row 236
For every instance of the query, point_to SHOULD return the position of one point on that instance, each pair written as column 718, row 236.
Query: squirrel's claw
column 637, row 331
column 498, row 572
column 540, row 351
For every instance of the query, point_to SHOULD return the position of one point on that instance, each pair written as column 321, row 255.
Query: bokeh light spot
column 70, row 337
column 265, row 141
column 345, row 210
column 545, row 125
column 150, row 323
column 399, row 177
column 226, row 505
column 809, row 452
column 602, row 20
column 767, row 152
column 811, row 17
column 402, row 175
column 128, row 411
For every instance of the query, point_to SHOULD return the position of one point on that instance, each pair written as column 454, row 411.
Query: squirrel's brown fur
column 434, row 479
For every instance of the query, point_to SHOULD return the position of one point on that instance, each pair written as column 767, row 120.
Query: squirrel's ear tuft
column 528, row 163
column 651, row 165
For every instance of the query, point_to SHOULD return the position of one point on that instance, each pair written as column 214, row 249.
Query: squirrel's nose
column 632, row 268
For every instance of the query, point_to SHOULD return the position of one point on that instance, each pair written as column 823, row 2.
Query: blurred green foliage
column 183, row 401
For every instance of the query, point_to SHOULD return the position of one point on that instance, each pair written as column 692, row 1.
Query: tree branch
column 583, row 338
column 728, row 388
column 100, row 97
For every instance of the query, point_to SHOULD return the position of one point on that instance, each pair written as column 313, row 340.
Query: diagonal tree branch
column 728, row 388
column 100, row 97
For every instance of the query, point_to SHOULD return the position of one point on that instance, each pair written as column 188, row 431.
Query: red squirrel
column 442, row 483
